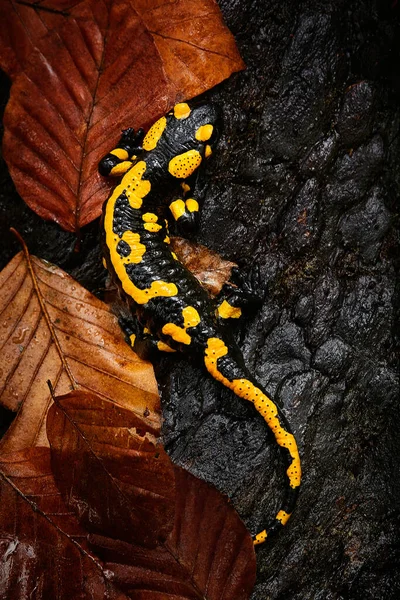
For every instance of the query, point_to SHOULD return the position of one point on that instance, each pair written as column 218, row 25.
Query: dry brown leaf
column 53, row 329
column 111, row 450
column 207, row 266
column 209, row 555
column 43, row 548
column 86, row 72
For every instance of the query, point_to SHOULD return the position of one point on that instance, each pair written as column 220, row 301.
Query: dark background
column 305, row 184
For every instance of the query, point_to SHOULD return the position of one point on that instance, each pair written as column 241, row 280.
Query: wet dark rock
column 364, row 320
column 302, row 221
column 302, row 105
column 305, row 183
column 356, row 116
column 332, row 358
column 321, row 155
column 295, row 392
column 328, row 144
column 354, row 173
column 304, row 310
column 286, row 342
column 364, row 227
column 327, row 301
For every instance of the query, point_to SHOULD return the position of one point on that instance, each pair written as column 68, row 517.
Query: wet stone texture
column 304, row 185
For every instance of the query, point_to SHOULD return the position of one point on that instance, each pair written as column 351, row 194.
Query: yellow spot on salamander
column 157, row 288
column 204, row 133
column 177, row 333
column 138, row 171
column 135, row 188
column 167, row 239
column 103, row 260
column 283, row 517
column 133, row 185
column 120, row 153
column 137, row 249
column 153, row 227
column 207, row 151
column 150, row 222
column 146, row 330
column 132, row 339
column 177, row 208
column 183, row 165
column 192, row 205
column 174, row 256
column 150, row 217
column 182, row 110
column 121, row 168
column 260, row 538
column 191, row 318
column 164, row 347
column 185, row 187
column 153, row 135
column 226, row 311
column 243, row 388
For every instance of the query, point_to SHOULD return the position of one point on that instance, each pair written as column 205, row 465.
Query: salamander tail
column 224, row 368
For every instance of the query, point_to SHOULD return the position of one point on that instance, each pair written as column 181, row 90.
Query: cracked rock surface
column 304, row 185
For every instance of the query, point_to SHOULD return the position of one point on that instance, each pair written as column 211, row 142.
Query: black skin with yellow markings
column 130, row 143
column 174, row 312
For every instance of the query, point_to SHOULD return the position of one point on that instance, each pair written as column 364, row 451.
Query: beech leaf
column 207, row 266
column 208, row 552
column 110, row 450
column 43, row 548
column 53, row 329
column 83, row 71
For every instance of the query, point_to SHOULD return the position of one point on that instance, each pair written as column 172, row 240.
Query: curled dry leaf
column 83, row 71
column 53, row 329
column 208, row 555
column 43, row 548
column 121, row 482
column 210, row 269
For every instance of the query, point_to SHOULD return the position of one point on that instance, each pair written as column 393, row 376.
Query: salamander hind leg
column 143, row 343
column 186, row 214
column 240, row 294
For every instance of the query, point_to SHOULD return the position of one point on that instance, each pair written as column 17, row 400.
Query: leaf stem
column 37, row 6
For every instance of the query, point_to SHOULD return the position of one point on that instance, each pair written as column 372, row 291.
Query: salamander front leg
column 118, row 161
column 186, row 210
column 186, row 214
column 143, row 343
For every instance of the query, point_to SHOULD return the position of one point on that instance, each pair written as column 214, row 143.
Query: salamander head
column 184, row 137
column 195, row 127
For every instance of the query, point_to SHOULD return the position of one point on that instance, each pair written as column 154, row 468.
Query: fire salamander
column 174, row 312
